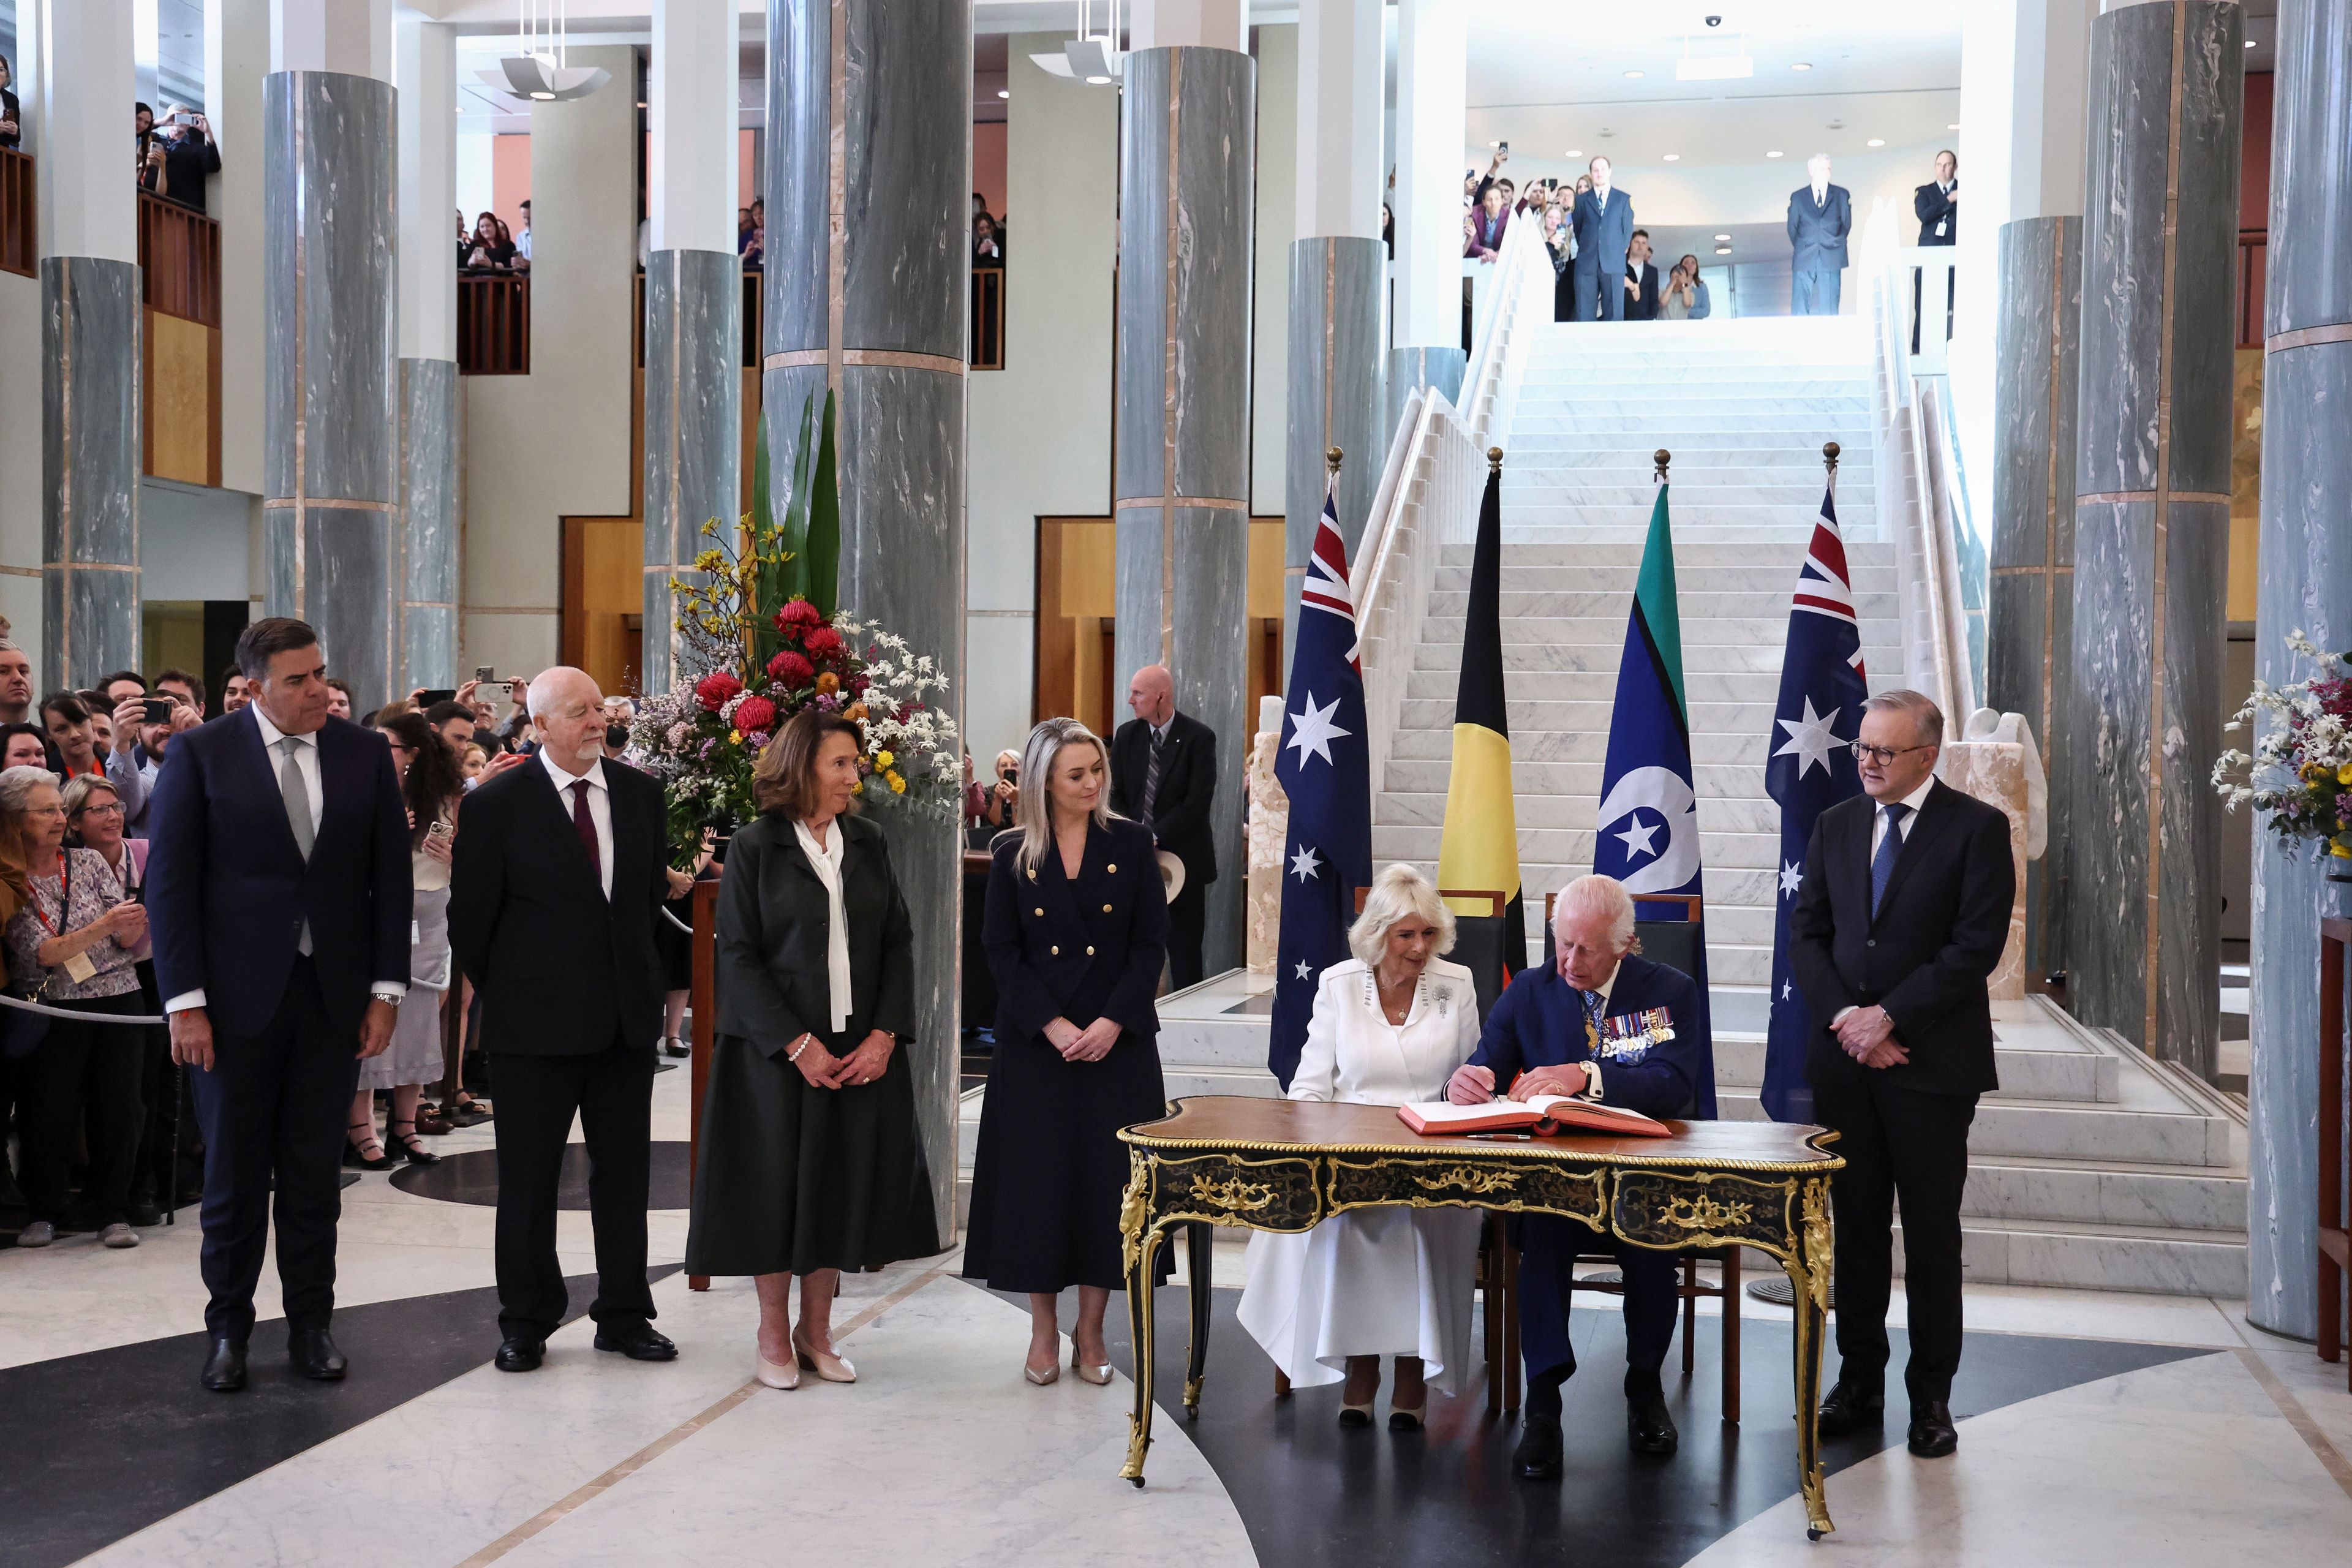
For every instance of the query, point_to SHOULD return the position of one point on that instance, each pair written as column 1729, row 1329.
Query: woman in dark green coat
column 810, row 1163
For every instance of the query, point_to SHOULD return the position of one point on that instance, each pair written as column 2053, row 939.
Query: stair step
column 1532, row 715
column 1531, row 744
column 2052, row 1128
column 1753, row 637
column 1689, row 556
column 2061, row 1191
column 1593, row 646
column 1706, row 615
column 1528, row 679
column 1549, row 846
column 2076, row 1254
column 1532, row 807
column 2076, row 1076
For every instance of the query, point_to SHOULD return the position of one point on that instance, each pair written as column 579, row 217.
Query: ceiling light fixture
column 1573, row 152
column 1674, row 157
column 1875, row 141
column 1004, row 92
column 1955, row 125
column 1723, row 250
column 1498, row 143
column 1097, row 81
column 1772, row 155
column 1632, row 76
column 1801, row 65
column 2250, row 43
column 537, row 69
column 1724, row 239
column 1094, row 55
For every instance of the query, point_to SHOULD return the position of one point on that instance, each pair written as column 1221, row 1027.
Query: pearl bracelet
column 793, row 1056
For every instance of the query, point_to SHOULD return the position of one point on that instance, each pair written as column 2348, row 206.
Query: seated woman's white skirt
column 1377, row 1281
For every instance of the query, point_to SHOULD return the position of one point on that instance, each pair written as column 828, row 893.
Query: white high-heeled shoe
column 1098, row 1375
column 787, row 1375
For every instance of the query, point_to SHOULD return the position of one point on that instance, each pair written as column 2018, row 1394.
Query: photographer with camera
column 179, row 155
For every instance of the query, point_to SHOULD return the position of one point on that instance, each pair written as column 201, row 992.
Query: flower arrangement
column 761, row 640
column 2301, row 770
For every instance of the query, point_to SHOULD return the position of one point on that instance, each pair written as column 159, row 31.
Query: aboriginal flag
column 1480, row 849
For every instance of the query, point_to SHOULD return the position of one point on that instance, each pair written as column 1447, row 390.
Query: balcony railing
column 494, row 324
column 987, row 352
column 16, row 246
column 179, row 261
column 2254, row 257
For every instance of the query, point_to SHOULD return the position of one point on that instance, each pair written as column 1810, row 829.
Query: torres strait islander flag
column 1646, row 832
column 1480, row 849
column 1818, row 717
column 1324, row 764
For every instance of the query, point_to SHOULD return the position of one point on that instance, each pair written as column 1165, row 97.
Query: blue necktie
column 1593, row 1003
column 1882, row 864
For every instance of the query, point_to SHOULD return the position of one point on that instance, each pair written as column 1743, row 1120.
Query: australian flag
column 1324, row 767
column 1809, row 769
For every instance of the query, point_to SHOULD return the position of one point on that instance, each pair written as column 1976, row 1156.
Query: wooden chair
column 1679, row 941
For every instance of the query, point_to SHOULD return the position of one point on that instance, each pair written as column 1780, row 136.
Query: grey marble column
column 1335, row 400
column 2305, row 584
column 1426, row 368
column 869, row 144
column 2030, row 636
column 1181, row 484
column 2151, row 524
column 89, row 469
column 329, row 459
column 429, row 515
column 694, row 427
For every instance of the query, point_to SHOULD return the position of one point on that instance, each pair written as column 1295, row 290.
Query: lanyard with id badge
column 77, row 966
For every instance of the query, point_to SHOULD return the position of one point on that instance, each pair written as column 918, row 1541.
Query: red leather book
column 1543, row 1115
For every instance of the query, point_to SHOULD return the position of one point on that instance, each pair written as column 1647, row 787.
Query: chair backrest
column 1676, row 936
column 1477, row 940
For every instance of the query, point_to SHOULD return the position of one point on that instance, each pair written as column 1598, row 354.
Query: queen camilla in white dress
column 1377, row 1281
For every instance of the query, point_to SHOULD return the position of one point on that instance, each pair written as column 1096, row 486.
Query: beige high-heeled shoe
column 828, row 1367
column 1044, row 1379
column 788, row 1375
column 1098, row 1375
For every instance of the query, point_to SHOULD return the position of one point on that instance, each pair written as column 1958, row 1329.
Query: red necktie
column 587, row 827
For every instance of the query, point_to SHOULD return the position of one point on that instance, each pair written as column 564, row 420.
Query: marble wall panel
column 89, row 469
column 1442, row 368
column 429, row 519
column 1213, row 684
column 908, row 135
column 1335, row 364
column 2305, row 584
column 693, row 426
column 2211, row 134
column 329, row 426
column 2107, row 897
column 1143, row 403
column 2037, row 371
column 799, row 175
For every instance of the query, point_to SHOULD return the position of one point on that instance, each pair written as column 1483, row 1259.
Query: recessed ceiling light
column 1674, row 157
column 1802, row 66
column 1772, row 154
column 1723, row 250
column 1004, row 92
column 1097, row 81
column 1724, row 237
column 1875, row 141
column 1573, row 152
column 1493, row 143
column 2250, row 43
column 546, row 97
column 1632, row 76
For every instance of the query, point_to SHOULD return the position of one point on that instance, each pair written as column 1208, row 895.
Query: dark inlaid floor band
column 472, row 1177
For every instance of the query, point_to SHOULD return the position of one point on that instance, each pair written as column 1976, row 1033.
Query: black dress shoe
column 1850, row 1407
column 1537, row 1457
column 314, row 1355
column 224, row 1365
column 1933, row 1436
column 639, row 1341
column 521, row 1353
column 1649, row 1426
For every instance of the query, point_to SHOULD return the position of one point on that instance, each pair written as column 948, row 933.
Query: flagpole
column 1829, row 462
column 1662, row 458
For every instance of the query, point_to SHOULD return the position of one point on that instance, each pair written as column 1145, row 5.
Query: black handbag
column 22, row 1030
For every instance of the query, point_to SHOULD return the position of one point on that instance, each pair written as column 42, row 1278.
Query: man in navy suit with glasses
column 278, row 891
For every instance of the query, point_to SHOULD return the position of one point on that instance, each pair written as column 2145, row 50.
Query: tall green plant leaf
column 794, row 535
column 768, row 585
column 824, row 533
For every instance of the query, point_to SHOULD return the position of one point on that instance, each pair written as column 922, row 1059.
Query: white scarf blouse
column 825, row 859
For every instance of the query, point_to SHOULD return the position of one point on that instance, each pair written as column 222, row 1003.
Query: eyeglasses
column 1883, row 755
column 112, row 807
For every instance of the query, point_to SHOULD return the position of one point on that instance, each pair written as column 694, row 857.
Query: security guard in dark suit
column 1603, row 1023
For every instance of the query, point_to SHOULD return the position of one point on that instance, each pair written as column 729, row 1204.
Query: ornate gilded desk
column 1285, row 1165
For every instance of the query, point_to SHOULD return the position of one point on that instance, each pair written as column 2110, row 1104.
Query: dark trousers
column 272, row 1108
column 83, row 1072
column 1601, row 287
column 1549, row 1246
column 1898, row 1143
column 613, row 1092
column 1188, row 918
column 1815, row 292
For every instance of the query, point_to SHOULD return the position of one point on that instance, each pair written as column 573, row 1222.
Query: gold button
column 1041, row 909
column 1106, row 908
column 1057, row 953
column 1090, row 953
column 1114, row 870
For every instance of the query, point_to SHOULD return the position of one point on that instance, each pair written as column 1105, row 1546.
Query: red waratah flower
column 799, row 613
column 717, row 689
column 755, row 713
column 824, row 643
column 791, row 670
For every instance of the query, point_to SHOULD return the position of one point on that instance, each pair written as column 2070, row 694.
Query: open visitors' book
column 1543, row 1115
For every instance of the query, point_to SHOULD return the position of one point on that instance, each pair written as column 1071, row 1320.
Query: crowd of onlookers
column 104, row 1133
column 1492, row 201
column 987, row 235
column 491, row 247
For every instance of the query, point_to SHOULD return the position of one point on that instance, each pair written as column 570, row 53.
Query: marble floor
column 2095, row 1427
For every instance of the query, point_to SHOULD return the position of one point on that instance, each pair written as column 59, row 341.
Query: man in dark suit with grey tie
column 1163, row 773
column 1604, row 221
column 1900, row 920
column 278, row 890
column 1821, row 216
column 558, row 869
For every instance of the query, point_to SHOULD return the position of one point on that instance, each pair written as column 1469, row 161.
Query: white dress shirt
column 825, row 859
column 600, row 807
column 1915, row 800
column 306, row 760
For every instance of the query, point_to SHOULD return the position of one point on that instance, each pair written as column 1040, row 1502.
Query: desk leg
column 1808, row 1267
column 1199, row 1244
column 1140, row 1335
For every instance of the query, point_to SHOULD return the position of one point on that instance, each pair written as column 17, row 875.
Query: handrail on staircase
column 1430, row 484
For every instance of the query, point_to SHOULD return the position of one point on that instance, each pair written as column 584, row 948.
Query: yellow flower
column 857, row 788
column 883, row 760
column 898, row 786
column 2344, row 775
column 734, row 737
column 2313, row 772
column 2341, row 851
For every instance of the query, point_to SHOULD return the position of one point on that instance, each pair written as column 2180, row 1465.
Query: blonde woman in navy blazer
column 1076, row 930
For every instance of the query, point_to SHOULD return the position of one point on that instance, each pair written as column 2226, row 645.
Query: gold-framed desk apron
column 1286, row 1165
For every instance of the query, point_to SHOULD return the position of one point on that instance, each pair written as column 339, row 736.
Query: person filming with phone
column 179, row 155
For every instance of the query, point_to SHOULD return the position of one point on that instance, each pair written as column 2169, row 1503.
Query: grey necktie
column 297, row 791
column 1152, row 778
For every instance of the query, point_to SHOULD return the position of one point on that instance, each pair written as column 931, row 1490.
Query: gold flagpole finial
column 1331, row 456
column 1495, row 458
column 1830, row 455
column 1662, row 458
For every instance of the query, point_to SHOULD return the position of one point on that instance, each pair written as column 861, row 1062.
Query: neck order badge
column 1325, row 768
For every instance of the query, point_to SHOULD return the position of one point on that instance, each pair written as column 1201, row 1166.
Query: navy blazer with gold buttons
column 1080, row 949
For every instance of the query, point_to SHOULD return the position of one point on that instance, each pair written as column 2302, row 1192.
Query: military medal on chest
column 1630, row 1036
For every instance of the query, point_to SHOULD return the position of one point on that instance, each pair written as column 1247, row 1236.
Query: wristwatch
column 389, row 998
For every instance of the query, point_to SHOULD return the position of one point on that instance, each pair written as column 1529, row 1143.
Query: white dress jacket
column 1380, row 1281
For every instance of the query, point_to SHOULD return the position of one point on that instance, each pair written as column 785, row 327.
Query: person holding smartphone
column 181, row 155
